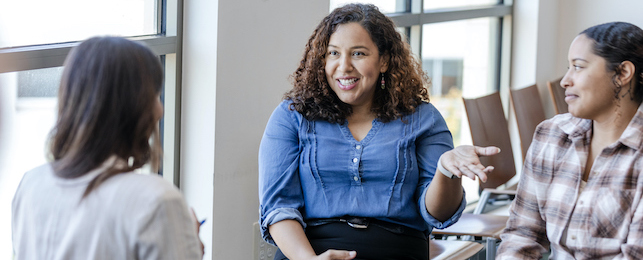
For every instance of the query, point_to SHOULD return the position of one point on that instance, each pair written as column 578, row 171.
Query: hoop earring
column 383, row 86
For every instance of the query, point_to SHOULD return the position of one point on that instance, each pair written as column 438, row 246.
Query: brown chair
column 488, row 127
column 557, row 96
column 529, row 113
column 452, row 249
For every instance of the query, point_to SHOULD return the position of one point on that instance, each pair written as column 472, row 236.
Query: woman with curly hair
column 348, row 161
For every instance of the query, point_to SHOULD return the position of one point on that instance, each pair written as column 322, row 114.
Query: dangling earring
column 383, row 86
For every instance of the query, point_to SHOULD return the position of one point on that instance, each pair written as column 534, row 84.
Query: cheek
column 158, row 109
column 328, row 71
column 329, row 68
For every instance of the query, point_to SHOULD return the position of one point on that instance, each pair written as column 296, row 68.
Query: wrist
column 444, row 171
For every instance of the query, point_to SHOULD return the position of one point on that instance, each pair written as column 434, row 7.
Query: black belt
column 362, row 223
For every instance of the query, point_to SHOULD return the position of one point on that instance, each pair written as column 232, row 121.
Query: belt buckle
column 355, row 223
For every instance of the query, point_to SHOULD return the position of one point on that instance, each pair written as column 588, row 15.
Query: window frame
column 414, row 17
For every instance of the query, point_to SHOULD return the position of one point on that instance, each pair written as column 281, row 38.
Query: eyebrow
column 354, row 47
column 579, row 59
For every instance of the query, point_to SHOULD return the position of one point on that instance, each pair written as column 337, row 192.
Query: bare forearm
column 292, row 241
column 443, row 196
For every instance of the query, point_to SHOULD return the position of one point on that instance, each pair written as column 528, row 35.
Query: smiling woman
column 354, row 65
column 581, row 188
column 590, row 89
column 348, row 161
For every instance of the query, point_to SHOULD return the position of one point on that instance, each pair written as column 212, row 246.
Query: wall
column 236, row 69
column 544, row 29
column 198, row 111
column 577, row 15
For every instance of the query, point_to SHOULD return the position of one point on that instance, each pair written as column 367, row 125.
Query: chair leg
column 491, row 248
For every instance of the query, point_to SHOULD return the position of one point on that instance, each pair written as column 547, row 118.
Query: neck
column 611, row 128
column 363, row 111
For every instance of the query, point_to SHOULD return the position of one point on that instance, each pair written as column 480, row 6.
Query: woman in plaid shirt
column 580, row 192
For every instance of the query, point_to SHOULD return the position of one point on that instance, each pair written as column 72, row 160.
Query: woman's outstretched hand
column 465, row 160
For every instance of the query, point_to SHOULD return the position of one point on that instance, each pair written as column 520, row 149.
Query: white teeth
column 347, row 82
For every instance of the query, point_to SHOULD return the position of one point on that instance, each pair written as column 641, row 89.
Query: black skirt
column 376, row 242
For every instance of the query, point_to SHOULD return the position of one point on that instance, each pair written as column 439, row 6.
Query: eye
column 333, row 53
column 358, row 53
column 575, row 67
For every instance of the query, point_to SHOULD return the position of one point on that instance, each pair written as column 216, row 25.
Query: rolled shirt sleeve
column 431, row 144
column 280, row 192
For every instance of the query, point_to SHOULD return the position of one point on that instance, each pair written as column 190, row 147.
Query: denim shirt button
column 355, row 178
column 358, row 147
column 355, row 160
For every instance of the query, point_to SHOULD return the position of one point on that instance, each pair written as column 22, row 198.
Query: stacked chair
column 557, row 94
column 489, row 127
column 529, row 113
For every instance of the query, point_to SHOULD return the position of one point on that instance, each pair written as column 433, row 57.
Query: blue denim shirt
column 316, row 169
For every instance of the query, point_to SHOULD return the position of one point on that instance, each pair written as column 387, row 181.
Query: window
column 74, row 20
column 462, row 45
column 32, row 53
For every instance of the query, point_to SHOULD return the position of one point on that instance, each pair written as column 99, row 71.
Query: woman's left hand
column 465, row 160
column 198, row 229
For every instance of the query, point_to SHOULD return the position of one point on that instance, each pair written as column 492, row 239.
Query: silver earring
column 383, row 86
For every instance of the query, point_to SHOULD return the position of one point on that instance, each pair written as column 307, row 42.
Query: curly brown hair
column 406, row 82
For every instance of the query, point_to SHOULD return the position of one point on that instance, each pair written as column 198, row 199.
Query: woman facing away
column 349, row 163
column 88, row 203
column 580, row 191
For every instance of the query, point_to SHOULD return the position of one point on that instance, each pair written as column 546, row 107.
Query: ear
column 384, row 63
column 627, row 72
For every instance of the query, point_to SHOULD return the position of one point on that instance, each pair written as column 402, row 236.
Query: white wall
column 578, row 15
column 236, row 69
column 543, row 30
column 198, row 111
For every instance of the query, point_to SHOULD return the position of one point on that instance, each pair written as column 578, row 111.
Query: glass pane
column 385, row 6
column 27, row 114
column 30, row 22
column 460, row 59
column 437, row 4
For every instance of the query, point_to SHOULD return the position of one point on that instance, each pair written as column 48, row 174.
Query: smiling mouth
column 347, row 82
column 569, row 97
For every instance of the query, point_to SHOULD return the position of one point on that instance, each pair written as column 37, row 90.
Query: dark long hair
column 105, row 102
column 406, row 82
column 617, row 42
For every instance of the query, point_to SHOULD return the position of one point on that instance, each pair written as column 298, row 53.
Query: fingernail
column 352, row 253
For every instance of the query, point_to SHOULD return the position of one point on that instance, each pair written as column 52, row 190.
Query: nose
column 566, row 82
column 345, row 63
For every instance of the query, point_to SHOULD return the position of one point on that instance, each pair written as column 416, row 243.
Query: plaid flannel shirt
column 603, row 221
